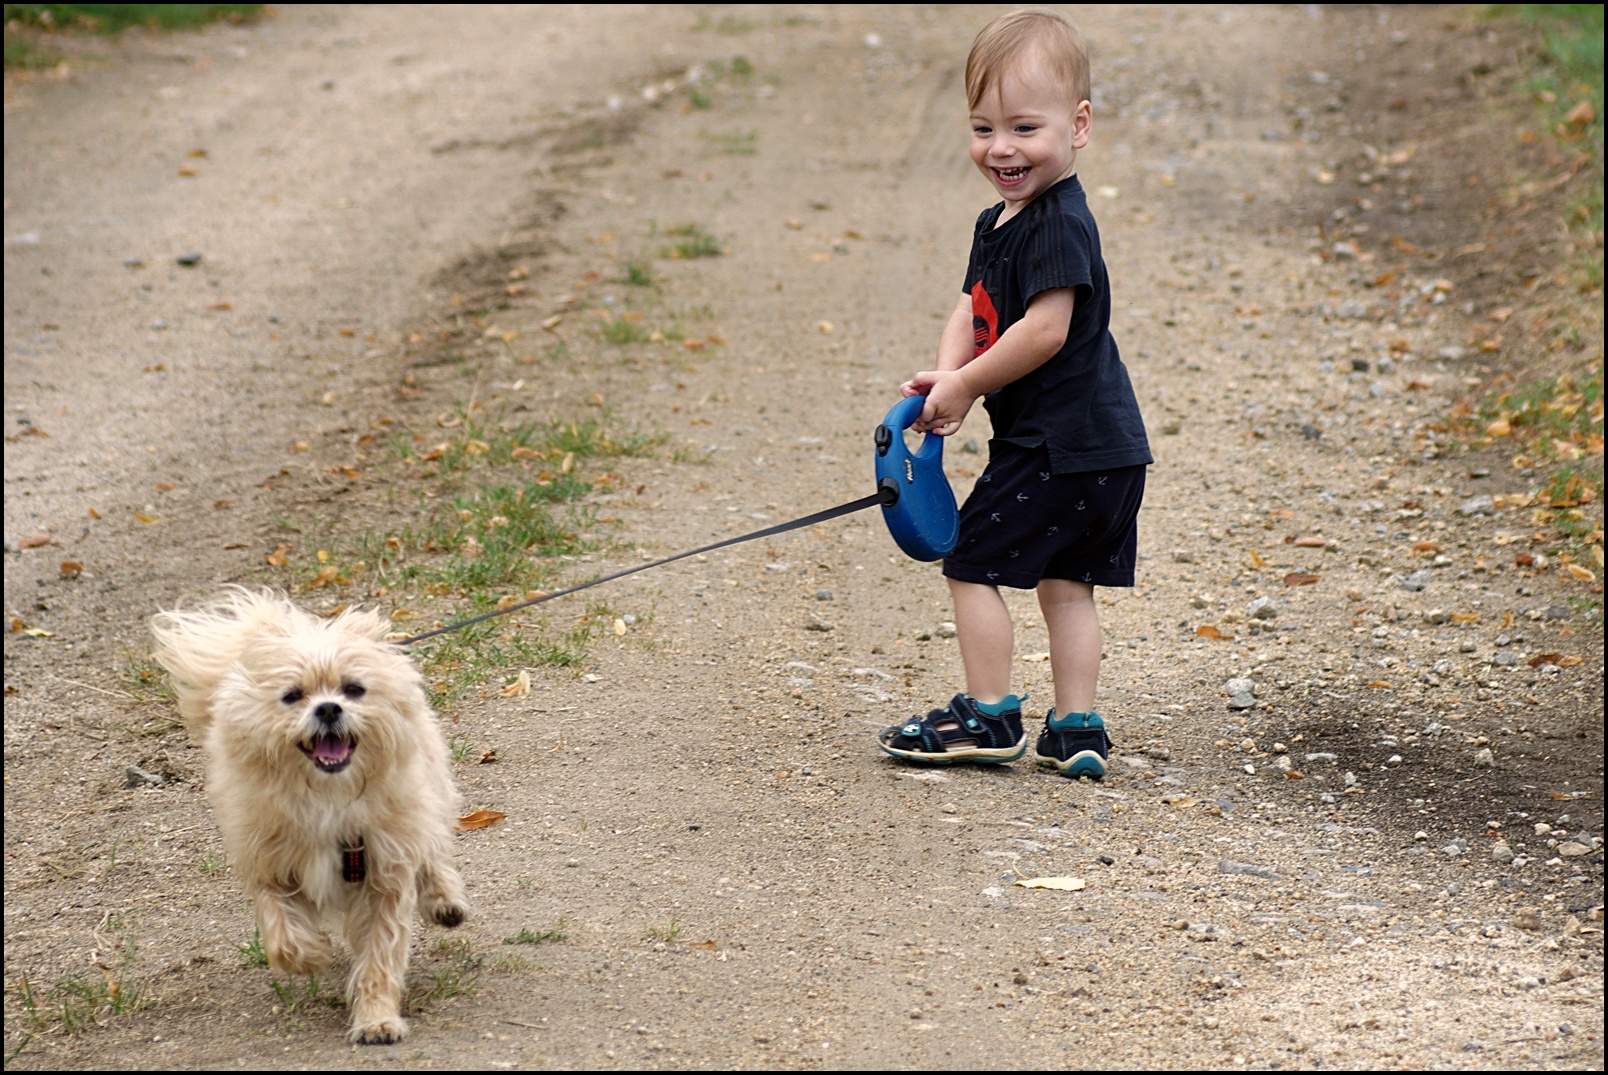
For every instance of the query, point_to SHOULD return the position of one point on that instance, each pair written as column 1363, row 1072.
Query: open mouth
column 331, row 753
column 1011, row 176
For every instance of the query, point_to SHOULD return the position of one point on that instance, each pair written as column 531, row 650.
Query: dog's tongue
column 331, row 750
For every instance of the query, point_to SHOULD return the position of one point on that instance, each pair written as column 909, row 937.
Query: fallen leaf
column 1465, row 617
column 277, row 558
column 1294, row 774
column 552, row 322
column 94, row 513
column 1296, row 578
column 1179, row 802
column 703, row 944
column 1309, row 541
column 1581, row 573
column 1499, row 428
column 1500, row 315
column 17, row 624
column 1256, row 559
column 794, row 225
column 35, row 541
column 38, row 632
column 619, row 626
column 144, row 518
column 826, row 326
column 1426, row 546
column 71, row 569
column 1567, row 795
column 1545, row 658
column 480, row 819
column 221, row 306
column 336, row 611
column 1206, row 630
column 187, row 172
column 326, row 575
column 1523, row 559
column 1570, row 661
column 1059, row 884
column 488, row 757
column 1379, row 683
column 518, row 687
column 301, row 446
column 1582, row 114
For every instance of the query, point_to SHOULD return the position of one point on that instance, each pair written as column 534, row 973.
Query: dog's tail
column 198, row 645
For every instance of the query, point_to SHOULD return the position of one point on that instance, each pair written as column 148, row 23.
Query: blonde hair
column 1004, row 42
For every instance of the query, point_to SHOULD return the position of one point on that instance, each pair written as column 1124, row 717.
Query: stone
column 1135, row 763
column 1239, row 693
column 1479, row 505
column 1229, row 866
column 1322, row 755
column 1159, row 753
column 1507, row 659
column 1501, row 853
column 1434, row 616
column 812, row 622
column 1183, row 556
column 1527, row 918
column 1201, row 600
column 946, row 630
column 1416, row 581
column 1171, row 427
column 1570, row 849
column 136, row 777
column 1484, row 759
column 1557, row 612
column 823, row 594
column 1263, row 608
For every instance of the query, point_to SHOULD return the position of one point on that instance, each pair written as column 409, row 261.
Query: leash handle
column 881, row 496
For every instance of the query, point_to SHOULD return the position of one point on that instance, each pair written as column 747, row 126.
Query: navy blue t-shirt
column 1079, row 403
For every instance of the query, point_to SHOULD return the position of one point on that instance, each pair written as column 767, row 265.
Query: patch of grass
column 699, row 99
column 80, row 1001
column 1570, row 91
column 1551, row 418
column 741, row 67
column 212, row 865
column 667, row 935
column 455, row 972
column 692, row 242
column 541, row 936
column 111, row 18
column 637, row 274
column 734, row 143
column 292, row 1001
column 624, row 329
column 22, row 52
column 251, row 952
column 463, row 748
column 145, row 680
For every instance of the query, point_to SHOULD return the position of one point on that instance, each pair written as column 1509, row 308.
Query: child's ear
column 1082, row 124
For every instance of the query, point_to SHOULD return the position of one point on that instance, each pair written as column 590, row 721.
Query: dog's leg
column 292, row 937
column 441, row 896
column 378, row 928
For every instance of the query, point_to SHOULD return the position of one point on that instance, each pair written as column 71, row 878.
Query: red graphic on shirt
column 985, row 320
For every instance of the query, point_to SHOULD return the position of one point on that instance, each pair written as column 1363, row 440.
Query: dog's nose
column 328, row 712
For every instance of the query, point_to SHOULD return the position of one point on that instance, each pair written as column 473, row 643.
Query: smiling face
column 1026, row 133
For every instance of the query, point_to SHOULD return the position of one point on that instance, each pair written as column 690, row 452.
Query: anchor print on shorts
column 1021, row 497
column 1102, row 478
column 1044, row 475
column 1079, row 506
column 1088, row 576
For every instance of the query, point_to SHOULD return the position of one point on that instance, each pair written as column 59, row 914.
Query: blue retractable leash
column 917, row 504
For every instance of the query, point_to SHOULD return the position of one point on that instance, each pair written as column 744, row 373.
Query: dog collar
column 353, row 867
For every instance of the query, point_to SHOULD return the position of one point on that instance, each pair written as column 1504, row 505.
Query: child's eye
column 1025, row 129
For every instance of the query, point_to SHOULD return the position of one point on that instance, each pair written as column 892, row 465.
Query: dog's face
column 325, row 695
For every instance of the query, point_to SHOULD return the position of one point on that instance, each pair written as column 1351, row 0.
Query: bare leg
column 1074, row 628
column 983, row 624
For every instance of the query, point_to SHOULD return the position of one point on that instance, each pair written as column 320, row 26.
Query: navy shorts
column 1022, row 523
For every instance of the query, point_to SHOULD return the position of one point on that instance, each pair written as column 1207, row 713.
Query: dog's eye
column 353, row 690
column 292, row 696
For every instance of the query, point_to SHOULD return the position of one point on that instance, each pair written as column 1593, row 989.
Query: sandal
column 960, row 732
column 1076, row 745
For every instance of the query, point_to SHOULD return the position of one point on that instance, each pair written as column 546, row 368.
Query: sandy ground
column 741, row 878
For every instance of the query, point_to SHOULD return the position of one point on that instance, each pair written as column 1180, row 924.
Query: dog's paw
column 386, row 1031
column 449, row 913
column 308, row 955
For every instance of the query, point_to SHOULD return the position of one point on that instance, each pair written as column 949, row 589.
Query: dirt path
column 391, row 204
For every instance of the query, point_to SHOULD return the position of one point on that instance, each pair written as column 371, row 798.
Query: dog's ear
column 365, row 623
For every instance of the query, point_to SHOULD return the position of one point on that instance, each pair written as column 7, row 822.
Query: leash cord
column 885, row 496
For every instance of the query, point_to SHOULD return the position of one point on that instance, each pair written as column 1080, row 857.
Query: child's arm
column 1024, row 347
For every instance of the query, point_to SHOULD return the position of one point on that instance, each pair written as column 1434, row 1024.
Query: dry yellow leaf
column 1380, row 683
column 326, row 575
column 144, row 518
column 517, row 688
column 480, row 819
column 619, row 626
column 38, row 632
column 1059, row 884
column 1582, row 573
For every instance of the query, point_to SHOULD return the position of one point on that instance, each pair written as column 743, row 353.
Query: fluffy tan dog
column 330, row 781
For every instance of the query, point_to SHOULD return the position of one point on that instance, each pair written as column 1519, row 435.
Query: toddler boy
column 1056, row 508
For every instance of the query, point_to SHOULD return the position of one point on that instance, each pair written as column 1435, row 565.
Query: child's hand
column 948, row 400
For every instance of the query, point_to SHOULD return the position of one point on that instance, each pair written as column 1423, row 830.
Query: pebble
column 1183, row 556
column 189, row 260
column 949, row 808
column 823, row 594
column 1239, row 693
column 1416, row 581
column 1323, row 755
column 1205, row 931
column 946, row 629
column 1484, row 759
column 1201, row 600
column 1542, row 828
column 1159, row 753
column 137, row 777
column 1502, row 853
column 1506, row 659
column 1570, row 849
column 812, row 622
column 1479, row 505
column 1263, row 608
column 1229, row 866
column 1457, row 847
column 1393, row 761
